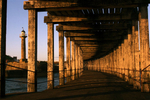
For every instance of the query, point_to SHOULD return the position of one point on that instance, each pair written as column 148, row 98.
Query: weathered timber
column 32, row 51
column 76, row 60
column 136, row 54
column 73, row 60
column 71, row 28
column 89, row 45
column 3, row 13
column 144, row 45
column 61, row 58
column 50, row 62
column 57, row 19
column 94, row 34
column 68, row 59
column 77, row 34
column 95, row 38
column 77, row 5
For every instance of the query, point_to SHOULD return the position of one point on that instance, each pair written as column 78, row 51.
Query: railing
column 124, row 72
column 143, row 70
column 79, row 70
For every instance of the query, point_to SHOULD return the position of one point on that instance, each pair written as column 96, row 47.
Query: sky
column 17, row 18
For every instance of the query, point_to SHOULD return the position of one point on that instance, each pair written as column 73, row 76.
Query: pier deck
column 90, row 86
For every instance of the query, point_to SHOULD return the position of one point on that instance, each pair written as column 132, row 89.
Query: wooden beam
column 89, row 45
column 97, row 42
column 89, row 33
column 69, row 34
column 103, row 17
column 73, row 28
column 95, row 38
column 80, row 5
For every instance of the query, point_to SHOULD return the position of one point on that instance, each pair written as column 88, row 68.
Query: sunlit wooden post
column 120, row 61
column 50, row 62
column 123, row 64
column 73, row 59
column 32, row 51
column 133, row 73
column 136, row 60
column 68, row 59
column 76, row 59
column 117, row 67
column 130, row 56
column 82, row 61
column 3, row 13
column 125, row 57
column 144, row 45
column 61, row 54
column 79, row 70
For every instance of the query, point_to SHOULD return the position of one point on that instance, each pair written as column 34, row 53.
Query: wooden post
column 130, row 57
column 114, row 68
column 144, row 44
column 3, row 13
column 79, row 61
column 32, row 51
column 68, row 59
column 136, row 51
column 122, row 70
column 76, row 59
column 50, row 62
column 133, row 73
column 73, row 60
column 61, row 58
column 118, row 62
column 126, row 57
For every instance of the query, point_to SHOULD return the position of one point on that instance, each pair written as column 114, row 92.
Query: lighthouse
column 23, row 46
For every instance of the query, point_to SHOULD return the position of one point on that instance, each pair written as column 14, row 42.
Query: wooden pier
column 92, row 85
column 102, row 35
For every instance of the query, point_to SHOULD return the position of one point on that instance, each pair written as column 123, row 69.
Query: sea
column 13, row 86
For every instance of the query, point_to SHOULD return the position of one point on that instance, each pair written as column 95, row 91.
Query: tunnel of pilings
column 101, row 35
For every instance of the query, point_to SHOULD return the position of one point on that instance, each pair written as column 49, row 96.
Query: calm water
column 13, row 87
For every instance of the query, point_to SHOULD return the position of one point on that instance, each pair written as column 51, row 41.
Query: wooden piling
column 50, row 62
column 3, row 13
column 61, row 58
column 68, row 59
column 32, row 51
column 144, row 44
column 73, row 59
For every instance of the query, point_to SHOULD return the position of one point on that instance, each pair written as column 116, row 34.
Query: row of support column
column 74, row 60
column 128, row 60
column 124, row 61
column 73, row 70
